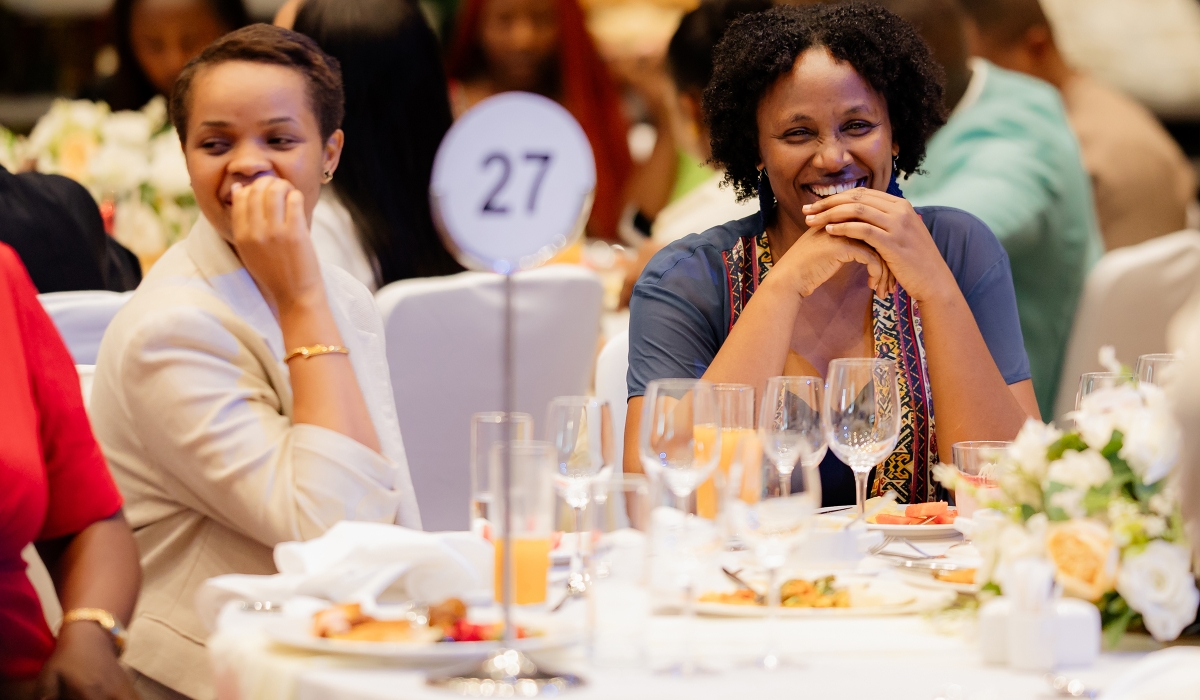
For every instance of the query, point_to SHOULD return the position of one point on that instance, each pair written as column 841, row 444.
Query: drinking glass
column 531, row 498
column 580, row 428
column 1094, row 381
column 619, row 595
column 680, row 446
column 488, row 428
column 735, row 404
column 789, row 423
column 1154, row 368
column 978, row 464
column 772, row 516
column 862, row 415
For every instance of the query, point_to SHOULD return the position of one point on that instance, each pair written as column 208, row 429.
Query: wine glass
column 771, row 516
column 680, row 446
column 862, row 415
column 1090, row 382
column 580, row 428
column 789, row 423
column 1154, row 368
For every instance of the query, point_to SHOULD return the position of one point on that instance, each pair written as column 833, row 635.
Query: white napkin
column 1170, row 674
column 369, row 563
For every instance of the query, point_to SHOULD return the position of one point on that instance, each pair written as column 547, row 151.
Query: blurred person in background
column 155, row 39
column 57, row 493
column 1007, row 155
column 373, row 220
column 54, row 225
column 543, row 46
column 1142, row 182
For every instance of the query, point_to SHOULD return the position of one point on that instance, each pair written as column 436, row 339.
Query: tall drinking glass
column 735, row 403
column 580, row 428
column 619, row 594
column 789, row 423
column 487, row 428
column 772, row 516
column 680, row 446
column 1155, row 368
column 531, row 495
column 978, row 463
column 862, row 415
column 1094, row 381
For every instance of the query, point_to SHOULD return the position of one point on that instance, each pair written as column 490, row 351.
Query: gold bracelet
column 101, row 617
column 313, row 350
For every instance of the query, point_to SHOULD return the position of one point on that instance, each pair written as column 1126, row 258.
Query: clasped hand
column 270, row 235
column 893, row 234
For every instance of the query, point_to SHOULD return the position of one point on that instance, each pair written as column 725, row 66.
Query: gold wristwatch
column 101, row 617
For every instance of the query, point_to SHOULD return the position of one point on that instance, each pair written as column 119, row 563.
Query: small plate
column 880, row 597
column 297, row 632
column 911, row 532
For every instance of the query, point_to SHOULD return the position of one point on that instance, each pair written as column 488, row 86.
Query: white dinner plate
column 911, row 532
column 297, row 632
column 867, row 597
column 925, row 579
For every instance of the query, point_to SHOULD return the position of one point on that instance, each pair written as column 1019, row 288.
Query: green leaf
column 1027, row 511
column 1055, row 513
column 1114, row 630
column 1114, row 444
column 1096, row 499
column 991, row 587
column 1070, row 441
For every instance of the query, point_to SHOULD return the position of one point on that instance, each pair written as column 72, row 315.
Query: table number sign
column 512, row 182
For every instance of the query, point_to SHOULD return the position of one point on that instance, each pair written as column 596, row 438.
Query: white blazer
column 192, row 405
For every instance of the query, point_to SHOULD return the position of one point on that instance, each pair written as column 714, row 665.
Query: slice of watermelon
column 888, row 519
column 926, row 510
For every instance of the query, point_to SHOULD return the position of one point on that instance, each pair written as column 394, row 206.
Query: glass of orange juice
column 531, row 502
column 735, row 402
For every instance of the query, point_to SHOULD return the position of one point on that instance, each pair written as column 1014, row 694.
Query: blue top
column 680, row 310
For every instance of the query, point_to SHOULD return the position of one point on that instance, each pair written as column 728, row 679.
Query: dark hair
column 130, row 88
column 690, row 53
column 759, row 48
column 1006, row 20
column 265, row 43
column 397, row 111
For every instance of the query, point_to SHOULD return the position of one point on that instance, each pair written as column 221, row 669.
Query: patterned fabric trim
column 898, row 336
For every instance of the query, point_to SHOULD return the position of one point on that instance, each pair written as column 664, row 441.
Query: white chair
column 1127, row 302
column 87, row 374
column 82, row 317
column 611, row 367
column 445, row 351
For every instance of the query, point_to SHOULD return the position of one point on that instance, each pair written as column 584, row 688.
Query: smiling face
column 822, row 130
column 519, row 39
column 249, row 120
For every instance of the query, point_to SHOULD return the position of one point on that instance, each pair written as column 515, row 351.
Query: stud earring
column 328, row 177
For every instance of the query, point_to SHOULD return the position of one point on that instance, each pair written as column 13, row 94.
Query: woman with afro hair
column 816, row 111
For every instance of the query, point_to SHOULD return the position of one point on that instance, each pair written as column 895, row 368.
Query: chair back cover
column 87, row 375
column 445, row 353
column 82, row 317
column 1128, row 301
column 611, row 368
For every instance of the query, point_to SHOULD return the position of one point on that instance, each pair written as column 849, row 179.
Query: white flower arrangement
column 1100, row 503
column 130, row 161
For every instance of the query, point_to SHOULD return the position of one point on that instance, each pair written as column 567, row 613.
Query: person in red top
column 56, row 492
column 543, row 46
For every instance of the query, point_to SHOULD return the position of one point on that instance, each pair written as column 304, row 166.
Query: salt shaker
column 1031, row 623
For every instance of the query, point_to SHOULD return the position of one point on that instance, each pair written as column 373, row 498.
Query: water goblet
column 1155, row 368
column 789, row 423
column 861, row 416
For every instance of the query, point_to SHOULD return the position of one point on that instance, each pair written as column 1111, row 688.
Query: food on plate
column 447, row 622
column 794, row 593
column 966, row 576
column 935, row 513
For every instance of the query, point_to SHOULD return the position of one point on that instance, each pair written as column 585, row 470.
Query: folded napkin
column 372, row 564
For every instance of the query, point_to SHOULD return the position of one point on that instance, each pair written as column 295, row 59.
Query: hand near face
column 270, row 235
column 817, row 257
column 84, row 666
column 891, row 228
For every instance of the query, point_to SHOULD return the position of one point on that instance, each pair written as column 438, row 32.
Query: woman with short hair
column 815, row 111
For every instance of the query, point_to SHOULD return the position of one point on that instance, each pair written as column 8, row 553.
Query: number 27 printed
column 492, row 205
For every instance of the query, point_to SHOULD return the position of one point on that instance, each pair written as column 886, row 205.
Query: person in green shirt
column 1007, row 155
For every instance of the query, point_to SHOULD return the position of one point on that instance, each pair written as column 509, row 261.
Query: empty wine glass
column 861, row 415
column 772, row 517
column 789, row 423
column 1090, row 382
column 1154, row 368
column 580, row 428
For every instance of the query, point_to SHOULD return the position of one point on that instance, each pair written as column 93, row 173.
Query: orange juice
column 531, row 566
column 706, row 494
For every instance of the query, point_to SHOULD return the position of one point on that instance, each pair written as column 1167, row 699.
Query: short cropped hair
column 758, row 48
column 690, row 53
column 265, row 43
column 1005, row 20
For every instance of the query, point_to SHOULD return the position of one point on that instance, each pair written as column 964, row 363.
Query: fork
column 891, row 539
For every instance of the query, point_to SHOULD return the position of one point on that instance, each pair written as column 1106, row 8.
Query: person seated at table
column 1141, row 180
column 241, row 395
column 542, row 46
column 1008, row 156
column 155, row 39
column 57, row 493
column 374, row 219
column 816, row 110
column 55, row 227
